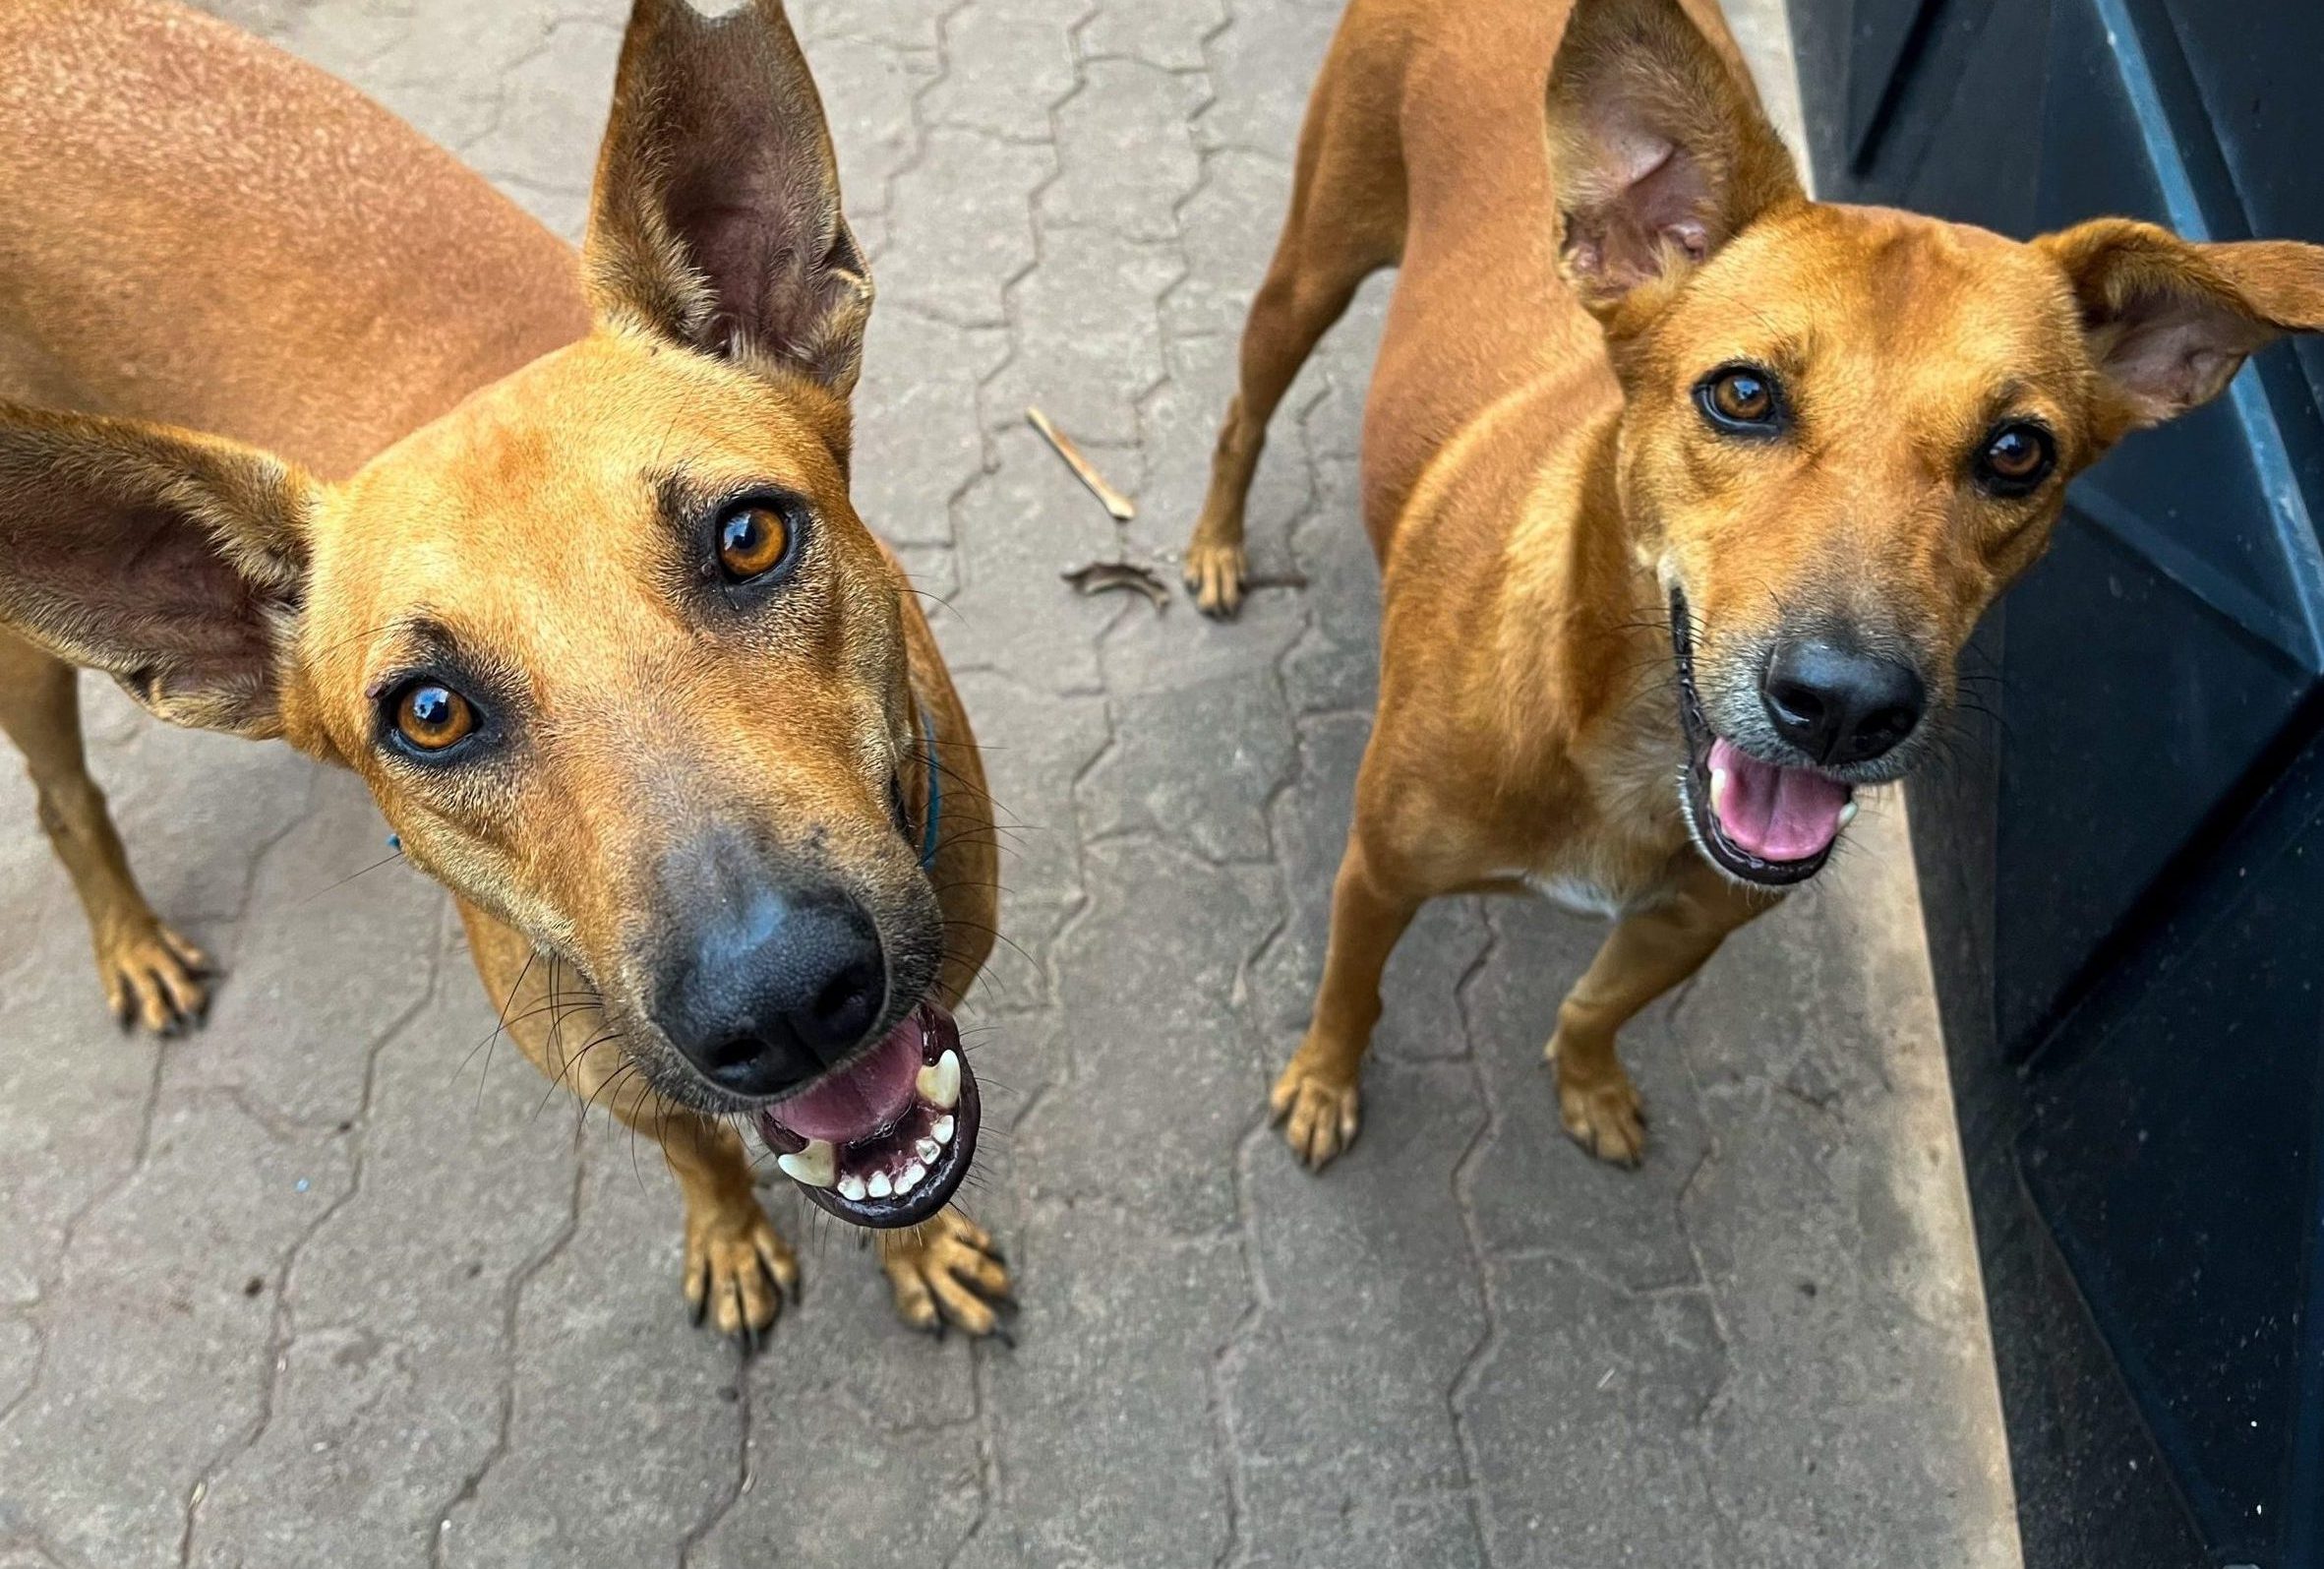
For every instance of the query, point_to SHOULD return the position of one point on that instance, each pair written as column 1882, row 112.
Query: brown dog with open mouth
column 1687, row 490
column 582, row 597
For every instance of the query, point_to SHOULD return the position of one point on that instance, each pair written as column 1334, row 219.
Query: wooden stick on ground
column 1113, row 501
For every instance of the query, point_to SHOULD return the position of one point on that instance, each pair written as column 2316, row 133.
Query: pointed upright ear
column 1659, row 152
column 175, row 563
column 716, row 219
column 2169, row 320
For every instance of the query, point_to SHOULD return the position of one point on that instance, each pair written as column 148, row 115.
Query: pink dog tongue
column 1775, row 814
column 863, row 1099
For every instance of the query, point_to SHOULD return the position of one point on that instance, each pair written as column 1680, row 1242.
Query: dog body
column 560, row 557
column 1686, row 490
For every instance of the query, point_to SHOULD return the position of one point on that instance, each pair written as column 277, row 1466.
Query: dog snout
column 767, row 985
column 1841, row 706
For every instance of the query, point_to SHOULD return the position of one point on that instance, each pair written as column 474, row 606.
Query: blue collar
column 928, row 839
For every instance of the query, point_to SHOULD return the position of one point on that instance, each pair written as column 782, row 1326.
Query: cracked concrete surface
column 328, row 1285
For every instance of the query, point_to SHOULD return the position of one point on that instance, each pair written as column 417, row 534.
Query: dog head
column 608, row 642
column 1845, row 430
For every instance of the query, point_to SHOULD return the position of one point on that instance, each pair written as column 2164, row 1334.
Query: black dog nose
column 774, row 988
column 1841, row 707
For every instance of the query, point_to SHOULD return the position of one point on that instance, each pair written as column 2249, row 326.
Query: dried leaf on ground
column 1119, row 577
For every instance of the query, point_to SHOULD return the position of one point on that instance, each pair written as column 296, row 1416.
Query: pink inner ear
column 1654, row 194
column 1673, row 201
column 2173, row 352
column 1634, row 156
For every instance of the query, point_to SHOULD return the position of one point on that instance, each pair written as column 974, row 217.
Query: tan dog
column 571, row 579
column 1687, row 490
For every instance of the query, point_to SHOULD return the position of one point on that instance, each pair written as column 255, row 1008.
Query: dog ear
column 172, row 561
column 716, row 217
column 2169, row 320
column 1659, row 151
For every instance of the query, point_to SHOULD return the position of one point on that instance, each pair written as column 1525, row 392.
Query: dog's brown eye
column 751, row 540
column 1743, row 396
column 2016, row 458
column 431, row 716
column 1741, row 400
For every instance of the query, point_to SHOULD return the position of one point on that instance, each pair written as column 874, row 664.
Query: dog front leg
column 737, row 1270
column 1648, row 952
column 946, row 1271
column 1316, row 1098
column 149, row 973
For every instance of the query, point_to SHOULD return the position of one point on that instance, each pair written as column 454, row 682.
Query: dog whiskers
column 396, row 855
column 499, row 1024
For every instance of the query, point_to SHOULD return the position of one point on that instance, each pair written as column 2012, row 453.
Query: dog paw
column 1319, row 1114
column 1606, row 1117
column 153, row 977
column 1215, row 576
column 738, row 1272
column 946, row 1271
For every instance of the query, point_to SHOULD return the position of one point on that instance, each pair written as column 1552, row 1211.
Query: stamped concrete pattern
column 338, row 1281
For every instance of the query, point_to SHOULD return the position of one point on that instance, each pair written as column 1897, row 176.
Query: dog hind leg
column 1346, row 221
column 150, row 974
column 1316, row 1098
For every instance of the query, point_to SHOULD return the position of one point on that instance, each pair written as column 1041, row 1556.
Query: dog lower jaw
column 1698, row 795
column 902, row 1171
column 1702, row 825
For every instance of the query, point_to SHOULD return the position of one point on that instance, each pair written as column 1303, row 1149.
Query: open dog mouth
column 884, row 1141
column 1759, row 821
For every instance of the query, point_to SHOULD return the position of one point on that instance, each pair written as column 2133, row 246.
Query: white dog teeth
column 1848, row 813
column 818, row 1166
column 1718, row 786
column 939, row 1086
column 813, row 1167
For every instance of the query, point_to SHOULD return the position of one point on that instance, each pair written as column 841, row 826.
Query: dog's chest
column 1610, row 854
column 1581, row 895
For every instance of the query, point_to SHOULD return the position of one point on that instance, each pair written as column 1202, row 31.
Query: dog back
column 201, row 229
